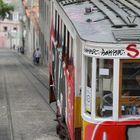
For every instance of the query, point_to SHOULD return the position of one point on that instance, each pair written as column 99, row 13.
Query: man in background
column 37, row 55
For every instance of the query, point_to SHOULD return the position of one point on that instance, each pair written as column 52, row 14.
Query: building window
column 15, row 28
column 5, row 28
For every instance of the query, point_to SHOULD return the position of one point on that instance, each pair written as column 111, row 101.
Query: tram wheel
column 62, row 133
column 58, row 129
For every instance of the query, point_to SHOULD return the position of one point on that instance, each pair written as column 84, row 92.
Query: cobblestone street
column 25, row 113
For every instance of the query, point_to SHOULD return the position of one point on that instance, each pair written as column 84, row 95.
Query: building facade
column 10, row 27
column 37, row 27
column 44, row 23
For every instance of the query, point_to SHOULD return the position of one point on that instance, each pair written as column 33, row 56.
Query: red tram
column 95, row 68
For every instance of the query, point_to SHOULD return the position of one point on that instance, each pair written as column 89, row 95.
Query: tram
column 95, row 68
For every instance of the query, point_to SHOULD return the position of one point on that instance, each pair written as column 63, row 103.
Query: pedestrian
column 14, row 46
column 18, row 49
column 37, row 55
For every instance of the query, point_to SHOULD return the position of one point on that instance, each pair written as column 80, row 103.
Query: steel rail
column 9, row 114
column 40, row 81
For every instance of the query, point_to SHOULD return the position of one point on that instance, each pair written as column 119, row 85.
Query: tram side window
column 55, row 24
column 70, row 56
column 130, row 88
column 71, row 51
column 104, row 87
column 58, row 24
column 88, row 84
column 64, row 43
column 131, row 79
column 67, row 51
column 60, row 32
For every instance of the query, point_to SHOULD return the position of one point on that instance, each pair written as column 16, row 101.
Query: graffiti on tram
column 130, row 51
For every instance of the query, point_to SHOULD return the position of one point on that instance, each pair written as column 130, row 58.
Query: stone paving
column 32, row 117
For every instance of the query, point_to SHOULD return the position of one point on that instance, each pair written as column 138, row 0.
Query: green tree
column 5, row 9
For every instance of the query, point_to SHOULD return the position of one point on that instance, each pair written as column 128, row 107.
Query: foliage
column 5, row 9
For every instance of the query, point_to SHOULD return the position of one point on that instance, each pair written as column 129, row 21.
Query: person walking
column 37, row 55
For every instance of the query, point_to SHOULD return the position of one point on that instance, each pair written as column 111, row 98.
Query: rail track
column 43, row 81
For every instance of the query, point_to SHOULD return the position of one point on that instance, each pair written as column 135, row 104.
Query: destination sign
column 130, row 51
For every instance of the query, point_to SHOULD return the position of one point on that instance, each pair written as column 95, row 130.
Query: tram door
column 56, row 63
column 129, row 100
column 60, row 82
column 56, row 68
column 52, row 96
column 61, row 92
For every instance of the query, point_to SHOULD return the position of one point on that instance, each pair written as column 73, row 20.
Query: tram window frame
column 127, row 103
column 92, row 91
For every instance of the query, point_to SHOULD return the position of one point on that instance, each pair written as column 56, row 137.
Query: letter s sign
column 133, row 51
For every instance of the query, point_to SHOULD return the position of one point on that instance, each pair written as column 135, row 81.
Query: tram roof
column 104, row 20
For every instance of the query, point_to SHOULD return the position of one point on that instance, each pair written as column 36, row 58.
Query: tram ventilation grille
column 126, row 35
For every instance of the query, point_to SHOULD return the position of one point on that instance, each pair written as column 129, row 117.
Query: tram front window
column 130, row 88
column 131, row 79
column 104, row 88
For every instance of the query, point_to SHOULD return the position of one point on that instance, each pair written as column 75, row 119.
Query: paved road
column 24, row 112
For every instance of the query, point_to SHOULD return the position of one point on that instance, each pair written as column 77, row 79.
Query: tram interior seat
column 107, row 98
column 106, row 109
